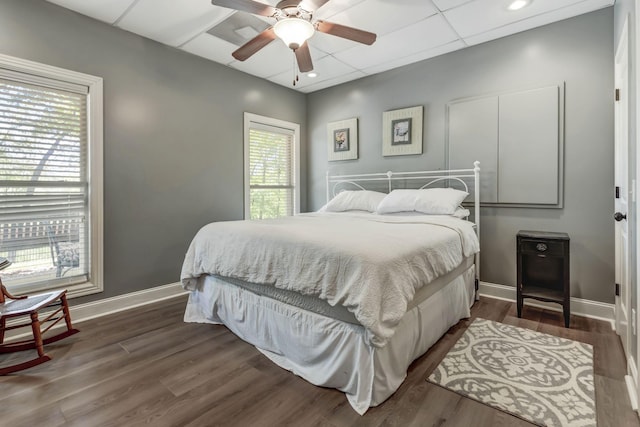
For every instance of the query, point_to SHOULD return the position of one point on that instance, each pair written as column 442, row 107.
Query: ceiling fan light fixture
column 293, row 31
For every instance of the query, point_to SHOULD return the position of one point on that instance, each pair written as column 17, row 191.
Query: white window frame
column 249, row 119
column 32, row 72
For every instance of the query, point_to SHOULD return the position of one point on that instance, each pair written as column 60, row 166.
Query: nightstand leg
column 519, row 305
column 567, row 313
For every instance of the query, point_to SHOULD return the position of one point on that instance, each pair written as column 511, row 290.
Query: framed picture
column 402, row 132
column 343, row 140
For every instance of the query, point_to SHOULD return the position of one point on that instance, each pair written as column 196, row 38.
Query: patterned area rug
column 540, row 378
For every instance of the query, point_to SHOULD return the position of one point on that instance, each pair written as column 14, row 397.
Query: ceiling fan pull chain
column 295, row 73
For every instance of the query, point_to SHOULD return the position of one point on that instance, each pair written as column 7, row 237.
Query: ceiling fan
column 294, row 26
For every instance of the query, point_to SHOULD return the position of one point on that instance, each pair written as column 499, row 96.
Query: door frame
column 633, row 382
column 621, row 145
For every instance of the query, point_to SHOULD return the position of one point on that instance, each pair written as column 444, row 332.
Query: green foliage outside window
column 270, row 174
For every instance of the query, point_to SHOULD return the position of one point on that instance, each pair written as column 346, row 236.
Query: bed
column 346, row 297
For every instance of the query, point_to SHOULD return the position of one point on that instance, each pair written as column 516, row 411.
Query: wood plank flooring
column 146, row 367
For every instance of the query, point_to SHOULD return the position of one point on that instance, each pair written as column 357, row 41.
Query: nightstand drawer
column 542, row 247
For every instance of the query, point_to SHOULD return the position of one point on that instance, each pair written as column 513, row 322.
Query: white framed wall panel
column 518, row 138
column 473, row 133
column 529, row 146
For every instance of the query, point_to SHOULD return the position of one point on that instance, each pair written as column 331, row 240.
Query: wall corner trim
column 580, row 307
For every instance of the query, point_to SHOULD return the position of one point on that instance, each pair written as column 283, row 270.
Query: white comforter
column 370, row 264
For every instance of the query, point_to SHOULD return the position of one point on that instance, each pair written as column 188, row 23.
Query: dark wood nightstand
column 543, row 269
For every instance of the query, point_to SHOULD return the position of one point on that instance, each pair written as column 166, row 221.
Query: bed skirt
column 329, row 352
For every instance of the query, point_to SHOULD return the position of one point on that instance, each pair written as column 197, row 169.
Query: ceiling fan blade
column 255, row 44
column 250, row 6
column 303, row 56
column 345, row 32
column 312, row 5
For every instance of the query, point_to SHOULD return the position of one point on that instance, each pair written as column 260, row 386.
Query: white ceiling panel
column 212, row 48
column 334, row 7
column 171, row 22
column 538, row 20
column 429, row 33
column 385, row 16
column 330, row 44
column 481, row 16
column 103, row 10
column 408, row 31
column 420, row 56
column 449, row 4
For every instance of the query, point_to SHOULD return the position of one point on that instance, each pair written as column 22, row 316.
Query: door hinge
column 617, row 94
column 617, row 289
column 617, row 192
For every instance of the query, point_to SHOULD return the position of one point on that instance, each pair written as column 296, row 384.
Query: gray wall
column 173, row 140
column 173, row 134
column 578, row 51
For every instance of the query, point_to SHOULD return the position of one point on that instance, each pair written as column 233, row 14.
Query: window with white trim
column 50, row 178
column 271, row 165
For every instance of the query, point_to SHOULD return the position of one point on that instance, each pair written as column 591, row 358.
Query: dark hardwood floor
column 145, row 366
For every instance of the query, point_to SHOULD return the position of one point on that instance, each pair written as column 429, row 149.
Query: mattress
column 339, row 312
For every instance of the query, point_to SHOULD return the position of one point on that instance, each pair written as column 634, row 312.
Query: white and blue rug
column 540, row 378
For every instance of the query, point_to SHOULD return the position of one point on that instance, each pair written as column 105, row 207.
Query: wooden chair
column 11, row 307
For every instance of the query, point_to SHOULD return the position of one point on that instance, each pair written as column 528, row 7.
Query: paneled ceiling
column 408, row 31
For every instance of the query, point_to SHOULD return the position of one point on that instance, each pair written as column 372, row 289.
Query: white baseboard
column 631, row 380
column 579, row 306
column 103, row 307
column 631, row 389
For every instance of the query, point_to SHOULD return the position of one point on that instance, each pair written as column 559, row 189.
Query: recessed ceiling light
column 312, row 75
column 518, row 4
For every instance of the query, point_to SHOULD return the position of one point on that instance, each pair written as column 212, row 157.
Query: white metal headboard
column 462, row 177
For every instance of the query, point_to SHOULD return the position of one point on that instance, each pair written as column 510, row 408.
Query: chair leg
column 37, row 335
column 67, row 318
column 3, row 324
column 65, row 311
column 37, row 340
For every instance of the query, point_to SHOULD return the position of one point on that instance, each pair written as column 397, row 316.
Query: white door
column 623, row 301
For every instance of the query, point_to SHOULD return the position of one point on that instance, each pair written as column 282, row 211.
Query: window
column 50, row 178
column 272, row 174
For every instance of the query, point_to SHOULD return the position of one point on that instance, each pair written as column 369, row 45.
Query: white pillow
column 462, row 213
column 361, row 200
column 432, row 201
